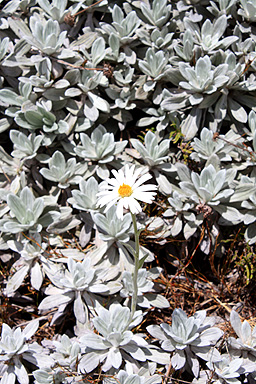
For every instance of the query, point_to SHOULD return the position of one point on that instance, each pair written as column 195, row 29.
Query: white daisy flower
column 125, row 189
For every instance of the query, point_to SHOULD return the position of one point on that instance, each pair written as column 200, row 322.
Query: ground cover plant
column 127, row 191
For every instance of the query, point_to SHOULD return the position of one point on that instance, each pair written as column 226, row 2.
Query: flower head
column 125, row 189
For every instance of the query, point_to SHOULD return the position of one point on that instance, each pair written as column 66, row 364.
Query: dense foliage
column 168, row 89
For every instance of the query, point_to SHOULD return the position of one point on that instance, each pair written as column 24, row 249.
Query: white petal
column 126, row 201
column 128, row 171
column 104, row 200
column 115, row 183
column 120, row 209
column 147, row 197
column 110, row 204
column 134, row 206
column 146, row 187
column 119, row 176
column 133, row 176
column 142, row 180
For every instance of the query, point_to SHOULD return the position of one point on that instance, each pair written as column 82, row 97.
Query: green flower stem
column 136, row 265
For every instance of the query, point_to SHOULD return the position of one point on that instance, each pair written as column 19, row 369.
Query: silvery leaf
column 250, row 234
column 20, row 372
column 98, row 102
column 36, row 276
column 8, row 378
column 93, row 340
column 31, row 329
column 80, row 310
column 190, row 125
column 16, row 280
column 178, row 360
column 177, row 226
column 237, row 111
column 157, row 300
column 53, row 301
column 90, row 361
column 98, row 51
column 9, row 97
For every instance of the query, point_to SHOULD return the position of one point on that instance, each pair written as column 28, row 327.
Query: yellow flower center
column 125, row 190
